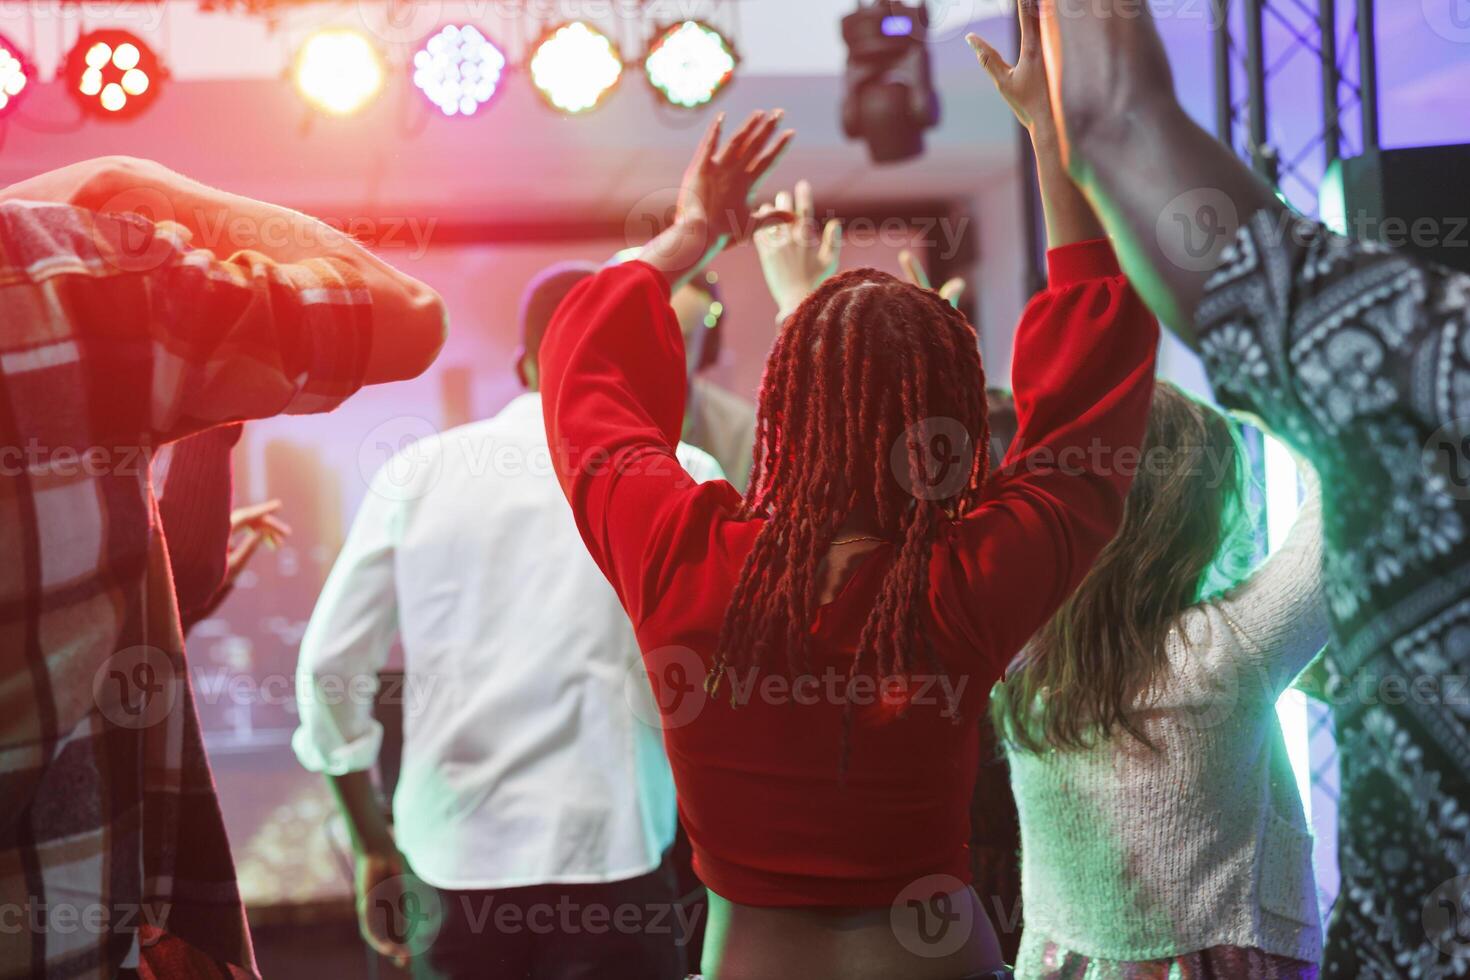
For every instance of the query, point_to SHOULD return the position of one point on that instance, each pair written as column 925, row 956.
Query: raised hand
column 1024, row 84
column 1026, row 89
column 719, row 187
column 950, row 292
column 717, row 195
column 251, row 527
column 796, row 256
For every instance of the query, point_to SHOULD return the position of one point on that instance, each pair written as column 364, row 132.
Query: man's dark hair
column 543, row 295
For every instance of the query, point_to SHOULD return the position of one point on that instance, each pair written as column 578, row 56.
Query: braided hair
column 852, row 389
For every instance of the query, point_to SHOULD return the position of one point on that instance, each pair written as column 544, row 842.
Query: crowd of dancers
column 810, row 626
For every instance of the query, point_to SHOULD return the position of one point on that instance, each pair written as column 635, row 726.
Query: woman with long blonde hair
column 1162, row 831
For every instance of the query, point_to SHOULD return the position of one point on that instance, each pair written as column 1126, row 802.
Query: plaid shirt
column 115, row 338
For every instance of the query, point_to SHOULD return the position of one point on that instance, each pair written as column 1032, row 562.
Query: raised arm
column 407, row 317
column 613, row 384
column 1171, row 196
column 717, row 198
column 614, row 381
column 1280, row 611
column 1069, row 218
column 1083, row 374
column 190, row 340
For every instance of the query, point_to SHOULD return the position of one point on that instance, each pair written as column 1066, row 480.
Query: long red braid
column 863, row 361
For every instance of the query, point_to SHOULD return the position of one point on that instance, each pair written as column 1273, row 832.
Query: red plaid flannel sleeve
column 116, row 336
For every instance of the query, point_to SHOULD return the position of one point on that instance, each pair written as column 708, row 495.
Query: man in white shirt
column 533, row 809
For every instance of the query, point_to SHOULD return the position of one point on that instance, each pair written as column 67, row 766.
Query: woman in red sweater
column 815, row 645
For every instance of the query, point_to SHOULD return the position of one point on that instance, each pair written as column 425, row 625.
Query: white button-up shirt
column 523, row 760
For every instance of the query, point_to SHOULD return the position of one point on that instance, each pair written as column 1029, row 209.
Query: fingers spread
column 711, row 141
column 759, row 138
column 249, row 515
column 763, row 163
column 240, row 553
column 277, row 527
column 735, row 150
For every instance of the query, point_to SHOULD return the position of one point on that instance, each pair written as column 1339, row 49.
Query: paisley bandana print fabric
column 1358, row 357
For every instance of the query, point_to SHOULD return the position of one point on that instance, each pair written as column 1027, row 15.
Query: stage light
column 575, row 67
column 690, row 63
column 898, row 26
column 339, row 71
column 113, row 74
column 459, row 70
column 890, row 98
column 15, row 75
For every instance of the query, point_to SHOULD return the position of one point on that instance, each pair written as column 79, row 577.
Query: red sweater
column 772, row 820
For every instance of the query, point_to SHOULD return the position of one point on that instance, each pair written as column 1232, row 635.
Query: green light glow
column 1332, row 199
column 1283, row 500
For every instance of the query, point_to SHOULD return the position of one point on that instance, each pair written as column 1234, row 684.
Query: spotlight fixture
column 112, row 74
column 338, row 70
column 575, row 67
column 459, row 70
column 890, row 98
column 15, row 75
column 690, row 63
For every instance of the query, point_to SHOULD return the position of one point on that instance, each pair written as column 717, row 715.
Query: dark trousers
column 620, row 930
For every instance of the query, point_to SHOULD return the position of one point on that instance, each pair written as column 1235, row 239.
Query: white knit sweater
column 1130, row 854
